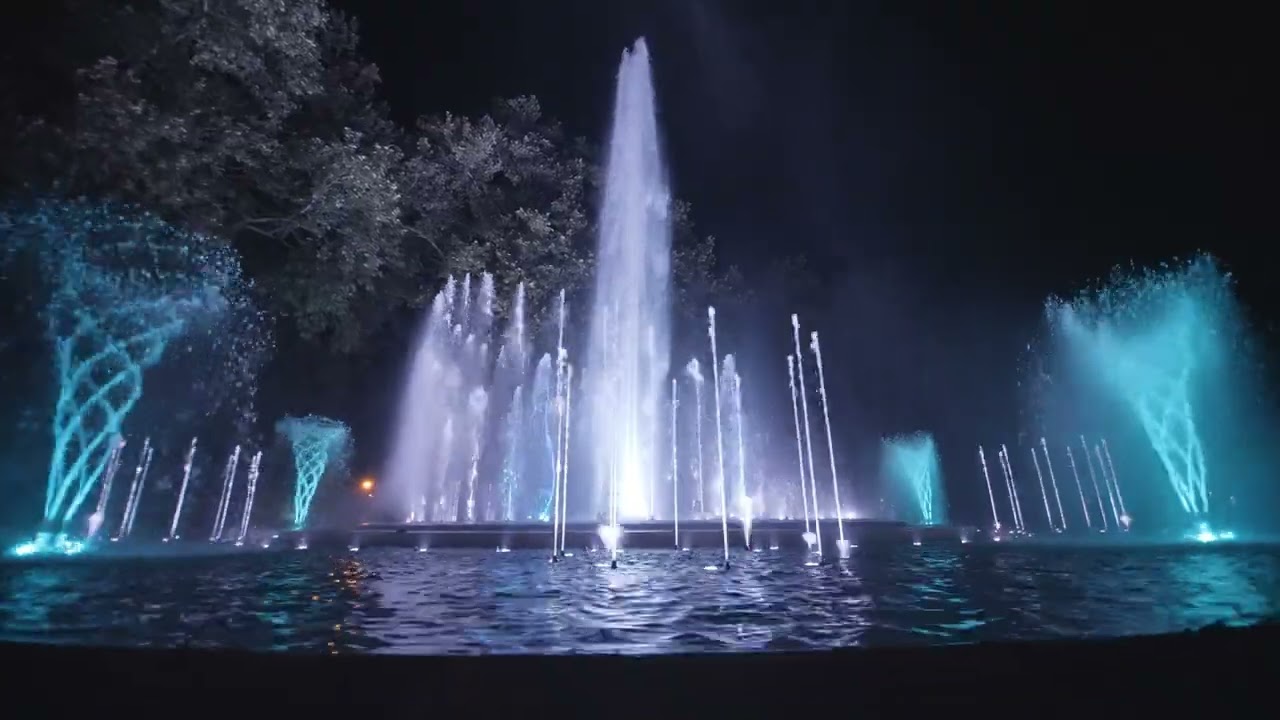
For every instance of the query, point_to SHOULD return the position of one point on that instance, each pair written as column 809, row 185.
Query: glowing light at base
column 49, row 544
column 1205, row 534
column 911, row 465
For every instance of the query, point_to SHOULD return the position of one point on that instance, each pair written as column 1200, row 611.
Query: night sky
column 942, row 166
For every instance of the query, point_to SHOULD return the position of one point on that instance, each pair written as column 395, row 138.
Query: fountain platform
column 638, row 535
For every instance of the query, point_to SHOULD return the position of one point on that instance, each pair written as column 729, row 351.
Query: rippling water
column 390, row 600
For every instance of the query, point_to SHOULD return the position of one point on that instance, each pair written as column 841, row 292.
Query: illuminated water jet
column 182, row 491
column 808, row 435
column 816, row 347
column 121, row 286
column 795, row 412
column 628, row 353
column 912, row 466
column 715, row 370
column 319, row 445
column 991, row 495
column 1044, row 445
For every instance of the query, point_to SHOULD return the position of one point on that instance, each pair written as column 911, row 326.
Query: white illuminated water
column 629, row 348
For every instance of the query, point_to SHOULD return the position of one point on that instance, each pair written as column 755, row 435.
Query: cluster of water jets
column 1111, row 513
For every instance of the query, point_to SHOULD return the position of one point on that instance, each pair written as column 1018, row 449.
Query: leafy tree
column 257, row 122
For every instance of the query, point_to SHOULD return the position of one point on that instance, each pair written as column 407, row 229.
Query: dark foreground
column 1209, row 670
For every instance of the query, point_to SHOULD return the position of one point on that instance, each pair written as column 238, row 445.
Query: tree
column 257, row 122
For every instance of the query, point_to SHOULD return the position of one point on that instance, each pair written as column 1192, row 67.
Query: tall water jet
column 1012, row 488
column 224, row 500
column 1170, row 345
column 1106, row 480
column 808, row 435
column 675, row 464
column 182, row 491
column 1071, row 459
column 135, row 490
column 564, row 481
column 1088, row 461
column 995, row 515
column 255, row 467
column 715, row 370
column 513, row 462
column 831, row 448
column 1115, row 480
column 1053, row 480
column 121, row 286
column 562, row 357
column 319, row 444
column 1044, row 495
column 113, row 466
column 629, row 360
column 795, row 414
column 911, row 464
column 744, row 500
column 695, row 373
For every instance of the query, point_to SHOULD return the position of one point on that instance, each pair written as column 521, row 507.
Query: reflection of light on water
column 422, row 549
column 503, row 550
column 773, row 548
column 1205, row 534
column 811, row 563
column 354, row 548
column 568, row 554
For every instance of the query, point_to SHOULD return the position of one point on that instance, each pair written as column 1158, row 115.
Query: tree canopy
column 257, row 122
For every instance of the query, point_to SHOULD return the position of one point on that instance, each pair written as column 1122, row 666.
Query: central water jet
column 629, row 347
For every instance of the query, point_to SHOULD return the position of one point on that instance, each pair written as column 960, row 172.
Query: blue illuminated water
column 400, row 601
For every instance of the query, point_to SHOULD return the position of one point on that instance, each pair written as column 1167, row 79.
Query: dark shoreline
column 1215, row 668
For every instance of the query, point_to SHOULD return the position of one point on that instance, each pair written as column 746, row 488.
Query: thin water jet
column 808, row 435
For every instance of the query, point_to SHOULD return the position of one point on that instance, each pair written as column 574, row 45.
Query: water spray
column 135, row 490
column 1053, row 481
column 564, row 482
column 843, row 545
column 795, row 413
column 715, row 369
column 1114, row 480
column 108, row 477
column 1079, row 488
column 1043, row 494
column 742, row 463
column 1111, row 497
column 182, row 491
column 995, row 516
column 695, row 372
column 675, row 465
column 1088, row 461
column 808, row 435
column 224, row 500
column 255, row 466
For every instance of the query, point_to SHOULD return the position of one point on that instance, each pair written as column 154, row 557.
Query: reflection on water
column 464, row 603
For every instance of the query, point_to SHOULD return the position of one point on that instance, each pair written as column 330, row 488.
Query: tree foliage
column 257, row 122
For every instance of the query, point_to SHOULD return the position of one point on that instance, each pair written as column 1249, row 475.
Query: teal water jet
column 1166, row 348
column 319, row 445
column 121, row 286
column 910, row 464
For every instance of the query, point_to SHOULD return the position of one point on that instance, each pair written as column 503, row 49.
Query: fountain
column 795, row 413
column 715, row 370
column 182, row 492
column 1171, row 354
column 629, row 347
column 224, row 500
column 910, row 462
column 123, row 285
column 1084, row 506
column 675, row 465
column 808, row 436
column 255, row 467
column 1053, row 480
column 694, row 371
column 1044, row 494
column 842, row 544
column 991, row 495
column 319, row 445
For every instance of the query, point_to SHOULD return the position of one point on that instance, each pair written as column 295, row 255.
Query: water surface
column 441, row 602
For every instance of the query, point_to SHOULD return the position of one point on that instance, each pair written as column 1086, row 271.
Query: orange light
column 367, row 485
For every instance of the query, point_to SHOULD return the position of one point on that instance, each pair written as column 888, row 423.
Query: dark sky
column 945, row 166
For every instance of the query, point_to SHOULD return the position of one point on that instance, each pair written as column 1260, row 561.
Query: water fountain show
column 283, row 372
